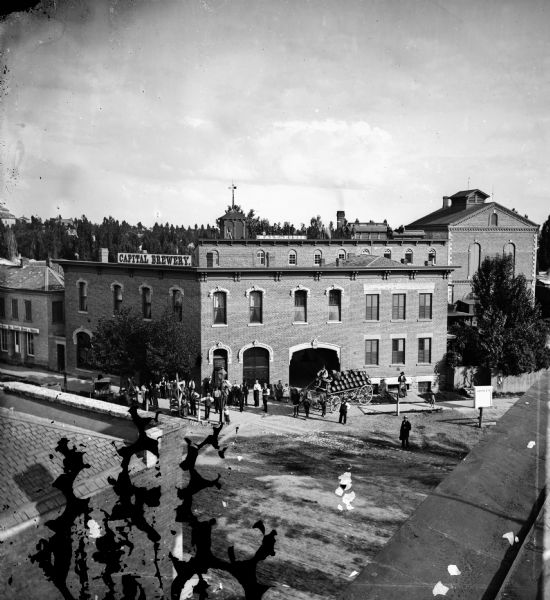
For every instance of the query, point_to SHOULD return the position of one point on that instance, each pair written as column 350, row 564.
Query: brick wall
column 278, row 331
column 240, row 255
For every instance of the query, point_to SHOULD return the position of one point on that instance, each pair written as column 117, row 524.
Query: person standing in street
column 343, row 412
column 404, row 432
column 240, row 397
column 265, row 396
column 307, row 403
column 279, row 391
column 207, row 406
column 245, row 390
column 323, row 403
column 295, row 399
column 257, row 390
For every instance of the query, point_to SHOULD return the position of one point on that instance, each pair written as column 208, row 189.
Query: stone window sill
column 300, row 323
column 254, row 324
column 219, row 324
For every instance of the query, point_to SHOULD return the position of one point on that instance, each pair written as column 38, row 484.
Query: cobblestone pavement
column 31, row 464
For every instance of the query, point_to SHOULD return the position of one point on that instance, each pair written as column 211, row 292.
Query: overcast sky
column 147, row 110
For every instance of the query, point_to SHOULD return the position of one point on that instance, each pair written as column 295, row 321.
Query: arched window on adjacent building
column 292, row 258
column 335, row 305
column 474, row 257
column 83, row 349
column 408, row 256
column 177, row 305
column 212, row 259
column 82, row 296
column 387, row 253
column 117, row 298
column 260, row 258
column 493, row 219
column 510, row 250
column 256, row 307
column 432, row 256
column 146, row 302
column 318, row 258
column 220, row 308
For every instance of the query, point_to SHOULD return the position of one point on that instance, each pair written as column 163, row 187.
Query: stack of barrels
column 348, row 380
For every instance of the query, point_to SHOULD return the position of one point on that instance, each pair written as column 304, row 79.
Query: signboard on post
column 483, row 396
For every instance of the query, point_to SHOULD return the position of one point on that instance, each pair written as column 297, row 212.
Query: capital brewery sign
column 165, row 260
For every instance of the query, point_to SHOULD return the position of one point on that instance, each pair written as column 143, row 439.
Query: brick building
column 474, row 229
column 32, row 329
column 273, row 309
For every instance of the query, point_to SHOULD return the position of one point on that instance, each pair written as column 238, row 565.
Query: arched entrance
column 306, row 363
column 256, row 365
column 219, row 360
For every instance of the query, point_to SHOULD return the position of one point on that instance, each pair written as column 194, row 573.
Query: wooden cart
column 352, row 385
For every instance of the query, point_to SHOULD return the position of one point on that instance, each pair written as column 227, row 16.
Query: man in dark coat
column 343, row 412
column 295, row 399
column 404, row 432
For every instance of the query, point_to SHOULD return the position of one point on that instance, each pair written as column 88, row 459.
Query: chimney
column 446, row 202
column 103, row 255
column 340, row 219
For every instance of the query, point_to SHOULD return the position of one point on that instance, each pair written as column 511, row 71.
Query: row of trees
column 510, row 335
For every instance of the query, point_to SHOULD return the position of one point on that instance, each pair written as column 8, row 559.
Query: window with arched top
column 292, row 258
column 82, row 296
column 117, row 298
column 146, row 296
column 83, row 350
column 317, row 258
column 260, row 258
column 335, row 305
column 177, row 305
column 300, row 306
column 408, row 256
column 474, row 258
column 220, row 308
column 493, row 219
column 256, row 307
column 510, row 250
column 212, row 259
column 432, row 256
column 387, row 253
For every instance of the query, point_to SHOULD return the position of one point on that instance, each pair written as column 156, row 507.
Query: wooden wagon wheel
column 365, row 394
column 333, row 402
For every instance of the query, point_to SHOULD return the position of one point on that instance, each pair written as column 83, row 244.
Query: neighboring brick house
column 475, row 229
column 32, row 329
column 280, row 318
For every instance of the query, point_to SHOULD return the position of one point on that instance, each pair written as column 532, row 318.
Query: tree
column 543, row 253
column 510, row 335
column 119, row 344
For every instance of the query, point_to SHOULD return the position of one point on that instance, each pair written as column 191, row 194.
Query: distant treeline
column 82, row 239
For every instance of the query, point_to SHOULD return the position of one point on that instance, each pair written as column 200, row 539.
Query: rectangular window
column 2, row 308
column 371, row 352
column 16, row 342
column 30, row 343
column 220, row 312
column 14, row 309
column 146, row 302
column 177, row 305
column 398, row 351
column 300, row 306
column 255, row 307
column 334, row 305
column 117, row 299
column 373, row 307
column 398, row 307
column 57, row 311
column 82, row 296
column 424, row 350
column 425, row 306
column 4, row 340
column 28, row 310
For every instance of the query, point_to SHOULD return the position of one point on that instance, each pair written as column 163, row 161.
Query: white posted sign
column 483, row 396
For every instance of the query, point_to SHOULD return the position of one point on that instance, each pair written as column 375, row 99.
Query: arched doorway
column 306, row 363
column 256, row 365
column 219, row 361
